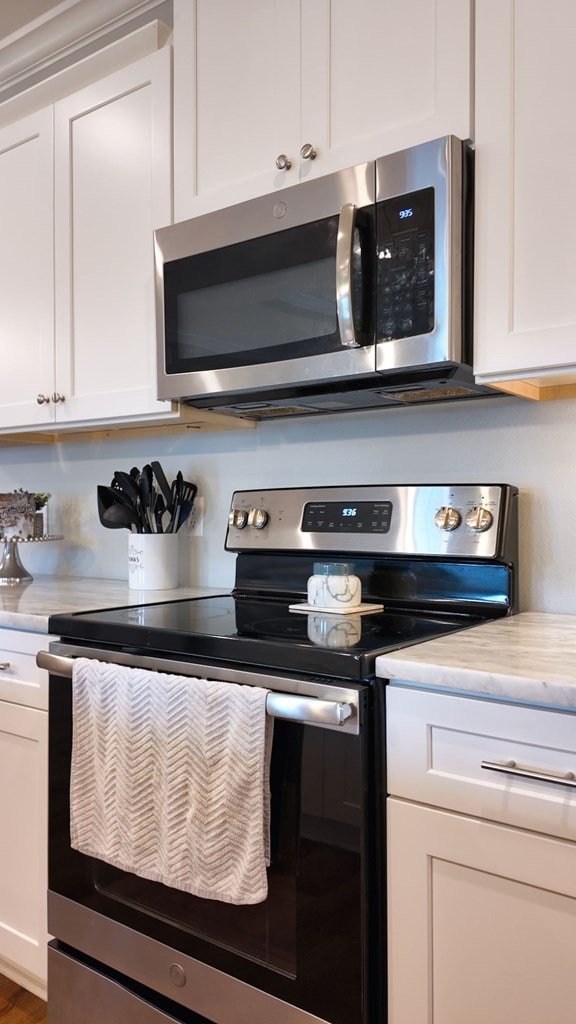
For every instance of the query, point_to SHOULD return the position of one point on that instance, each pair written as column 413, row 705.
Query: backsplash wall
column 500, row 440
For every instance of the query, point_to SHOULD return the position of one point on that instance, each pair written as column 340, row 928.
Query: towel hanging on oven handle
column 293, row 707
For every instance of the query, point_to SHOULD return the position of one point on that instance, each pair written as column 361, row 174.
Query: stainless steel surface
column 56, row 397
column 511, row 768
column 344, row 247
column 314, row 200
column 413, row 528
column 283, row 163
column 308, row 152
column 73, row 985
column 12, row 571
column 436, row 365
column 436, row 164
column 42, row 399
column 313, row 703
column 207, row 991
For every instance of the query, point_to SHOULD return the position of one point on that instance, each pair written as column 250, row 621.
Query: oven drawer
column 21, row 680
column 497, row 761
column 81, row 992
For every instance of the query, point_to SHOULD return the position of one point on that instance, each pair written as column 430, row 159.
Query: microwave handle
column 344, row 246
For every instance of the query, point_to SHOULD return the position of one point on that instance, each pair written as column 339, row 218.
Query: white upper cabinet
column 112, row 189
column 525, row 135
column 26, row 269
column 268, row 93
column 82, row 187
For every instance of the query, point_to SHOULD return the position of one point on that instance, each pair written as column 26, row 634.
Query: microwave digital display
column 347, row 517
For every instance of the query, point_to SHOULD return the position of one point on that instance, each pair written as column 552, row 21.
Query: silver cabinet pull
column 42, row 399
column 308, row 152
column 344, row 246
column 56, row 397
column 4, row 666
column 511, row 768
column 283, row 163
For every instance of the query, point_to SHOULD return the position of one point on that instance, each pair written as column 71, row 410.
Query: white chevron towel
column 170, row 779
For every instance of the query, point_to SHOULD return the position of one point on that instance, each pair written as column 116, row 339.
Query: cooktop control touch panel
column 441, row 520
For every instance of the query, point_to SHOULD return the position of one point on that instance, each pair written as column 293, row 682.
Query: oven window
column 264, row 300
column 306, row 943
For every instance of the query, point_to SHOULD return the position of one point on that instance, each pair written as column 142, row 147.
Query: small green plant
column 40, row 497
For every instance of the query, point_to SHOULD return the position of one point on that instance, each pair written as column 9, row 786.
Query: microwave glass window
column 405, row 266
column 263, row 300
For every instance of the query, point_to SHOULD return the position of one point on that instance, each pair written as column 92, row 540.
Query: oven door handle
column 344, row 254
column 290, row 706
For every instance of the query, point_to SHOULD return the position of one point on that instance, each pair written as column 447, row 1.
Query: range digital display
column 347, row 517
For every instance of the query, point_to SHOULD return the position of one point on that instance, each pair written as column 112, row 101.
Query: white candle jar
column 334, row 585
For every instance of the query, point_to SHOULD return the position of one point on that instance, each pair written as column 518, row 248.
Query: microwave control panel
column 405, row 265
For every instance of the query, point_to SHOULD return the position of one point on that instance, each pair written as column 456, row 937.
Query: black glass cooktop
column 257, row 632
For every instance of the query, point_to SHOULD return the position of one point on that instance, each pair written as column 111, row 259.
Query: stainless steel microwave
column 345, row 292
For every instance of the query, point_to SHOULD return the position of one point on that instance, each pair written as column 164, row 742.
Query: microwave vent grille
column 429, row 394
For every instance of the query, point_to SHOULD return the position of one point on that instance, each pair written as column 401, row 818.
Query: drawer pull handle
column 4, row 666
column 511, row 768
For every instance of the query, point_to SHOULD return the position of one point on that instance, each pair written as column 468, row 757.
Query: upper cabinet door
column 236, row 100
column 317, row 85
column 26, row 272
column 525, row 212
column 379, row 76
column 112, row 189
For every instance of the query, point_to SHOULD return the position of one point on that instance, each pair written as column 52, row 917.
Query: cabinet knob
column 283, row 163
column 56, row 397
column 4, row 666
column 308, row 152
column 42, row 399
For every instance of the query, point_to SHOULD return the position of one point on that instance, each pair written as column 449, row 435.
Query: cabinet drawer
column 21, row 681
column 447, row 751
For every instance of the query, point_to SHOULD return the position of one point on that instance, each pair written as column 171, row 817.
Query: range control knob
column 479, row 519
column 257, row 518
column 238, row 517
column 447, row 518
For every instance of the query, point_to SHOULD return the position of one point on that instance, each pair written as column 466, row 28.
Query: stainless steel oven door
column 300, row 957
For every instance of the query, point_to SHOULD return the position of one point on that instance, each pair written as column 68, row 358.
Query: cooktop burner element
column 439, row 558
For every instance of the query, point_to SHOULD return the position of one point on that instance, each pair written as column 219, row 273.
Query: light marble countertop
column 529, row 657
column 29, row 605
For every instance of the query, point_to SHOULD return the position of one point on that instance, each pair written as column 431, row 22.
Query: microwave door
column 291, row 308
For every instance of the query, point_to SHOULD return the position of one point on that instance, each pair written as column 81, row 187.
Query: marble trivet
column 359, row 609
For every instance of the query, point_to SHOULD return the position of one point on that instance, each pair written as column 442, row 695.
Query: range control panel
column 439, row 520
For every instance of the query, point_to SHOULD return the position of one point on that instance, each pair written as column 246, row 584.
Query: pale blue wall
column 494, row 440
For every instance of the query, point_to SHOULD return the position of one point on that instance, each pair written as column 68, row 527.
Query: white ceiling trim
column 56, row 36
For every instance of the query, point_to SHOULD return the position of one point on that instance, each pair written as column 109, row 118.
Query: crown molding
column 72, row 30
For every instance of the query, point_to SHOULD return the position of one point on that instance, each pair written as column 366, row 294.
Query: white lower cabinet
column 481, row 915
column 23, row 810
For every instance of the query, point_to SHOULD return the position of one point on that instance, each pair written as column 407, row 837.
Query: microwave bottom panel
column 448, row 382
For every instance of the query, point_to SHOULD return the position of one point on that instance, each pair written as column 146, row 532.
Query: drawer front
column 470, row 756
column 21, row 681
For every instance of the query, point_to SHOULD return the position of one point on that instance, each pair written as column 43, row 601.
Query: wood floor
column 17, row 1006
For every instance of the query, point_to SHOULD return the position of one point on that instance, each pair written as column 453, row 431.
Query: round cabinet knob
column 238, row 517
column 479, row 519
column 58, row 398
column 308, row 152
column 42, row 399
column 283, row 163
column 447, row 518
column 257, row 518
